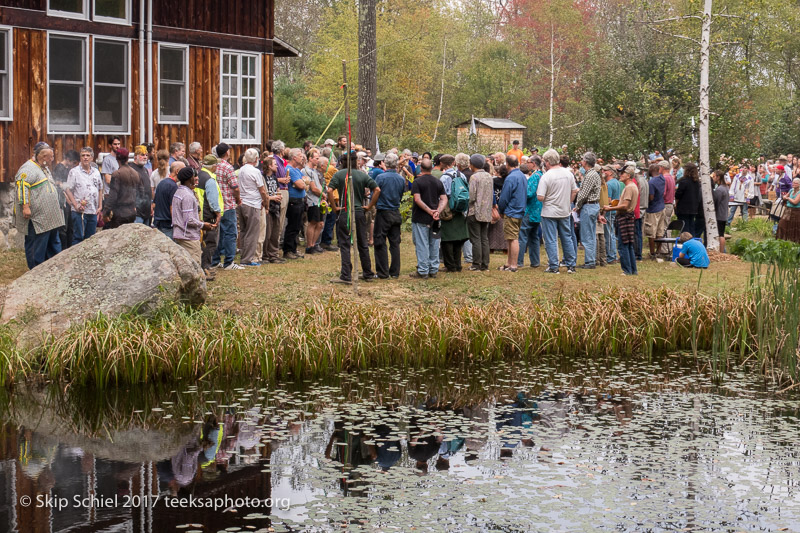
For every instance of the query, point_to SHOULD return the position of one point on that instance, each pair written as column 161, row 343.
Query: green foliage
column 297, row 117
column 761, row 227
column 777, row 252
column 406, row 203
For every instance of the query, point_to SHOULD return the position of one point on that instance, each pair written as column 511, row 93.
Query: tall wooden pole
column 350, row 204
column 712, row 233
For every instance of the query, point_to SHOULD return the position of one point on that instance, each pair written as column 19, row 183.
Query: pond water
column 554, row 446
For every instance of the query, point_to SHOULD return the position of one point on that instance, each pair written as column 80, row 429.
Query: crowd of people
column 263, row 205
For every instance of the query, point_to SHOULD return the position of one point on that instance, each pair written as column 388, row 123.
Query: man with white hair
column 557, row 190
column 195, row 156
column 297, row 203
column 253, row 194
column 388, row 221
column 283, row 179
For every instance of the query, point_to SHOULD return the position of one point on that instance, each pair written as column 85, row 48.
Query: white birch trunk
column 552, row 81
column 441, row 94
column 705, row 163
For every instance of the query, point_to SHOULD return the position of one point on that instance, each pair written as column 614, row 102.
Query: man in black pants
column 361, row 181
column 297, row 204
column 387, row 220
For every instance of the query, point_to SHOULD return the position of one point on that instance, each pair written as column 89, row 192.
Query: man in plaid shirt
column 229, row 186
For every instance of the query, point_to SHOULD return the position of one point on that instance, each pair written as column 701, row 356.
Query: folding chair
column 675, row 226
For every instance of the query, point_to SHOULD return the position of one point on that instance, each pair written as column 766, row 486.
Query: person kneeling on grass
column 693, row 254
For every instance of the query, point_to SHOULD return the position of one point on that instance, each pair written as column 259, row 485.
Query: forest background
column 621, row 76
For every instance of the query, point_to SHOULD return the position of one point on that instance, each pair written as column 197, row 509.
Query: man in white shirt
column 557, row 190
column 84, row 194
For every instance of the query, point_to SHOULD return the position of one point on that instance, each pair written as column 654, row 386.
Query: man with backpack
column 454, row 222
column 512, row 203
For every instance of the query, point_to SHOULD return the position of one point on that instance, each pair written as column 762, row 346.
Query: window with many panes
column 240, row 105
column 110, row 90
column 66, row 87
column 173, row 87
column 68, row 8
column 6, row 75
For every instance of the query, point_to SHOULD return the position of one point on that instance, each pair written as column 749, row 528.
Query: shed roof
column 497, row 123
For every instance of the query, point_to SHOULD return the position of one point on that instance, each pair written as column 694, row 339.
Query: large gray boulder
column 129, row 268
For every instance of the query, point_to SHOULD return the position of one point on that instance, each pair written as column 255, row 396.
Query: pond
column 581, row 445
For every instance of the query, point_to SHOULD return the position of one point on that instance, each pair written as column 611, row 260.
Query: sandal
column 506, row 268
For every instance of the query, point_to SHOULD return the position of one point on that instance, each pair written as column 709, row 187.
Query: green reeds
column 333, row 336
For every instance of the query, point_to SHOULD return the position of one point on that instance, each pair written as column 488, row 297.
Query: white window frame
column 239, row 54
column 86, row 74
column 8, row 31
column 67, row 14
column 185, row 50
column 127, row 127
column 112, row 20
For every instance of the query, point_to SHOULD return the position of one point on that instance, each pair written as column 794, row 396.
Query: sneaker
column 552, row 271
column 367, row 277
column 277, row 260
column 571, row 270
column 310, row 251
column 341, row 281
column 417, row 275
column 233, row 266
column 252, row 264
column 474, row 268
column 432, row 275
column 587, row 267
column 329, row 248
column 291, row 255
column 318, row 249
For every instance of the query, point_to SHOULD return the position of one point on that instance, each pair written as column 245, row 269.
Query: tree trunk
column 441, row 94
column 367, row 74
column 705, row 163
column 552, row 81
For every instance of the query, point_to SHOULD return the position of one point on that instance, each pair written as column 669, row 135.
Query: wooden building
column 489, row 133
column 74, row 73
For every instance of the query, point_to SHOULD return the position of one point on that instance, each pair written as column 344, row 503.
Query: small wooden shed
column 492, row 133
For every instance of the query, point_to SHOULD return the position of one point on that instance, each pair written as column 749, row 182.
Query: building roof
column 283, row 49
column 496, row 123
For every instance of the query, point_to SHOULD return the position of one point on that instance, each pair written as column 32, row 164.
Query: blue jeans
column 145, row 221
column 637, row 247
column 553, row 230
column 40, row 247
column 610, row 233
column 227, row 239
column 467, row 250
column 83, row 226
column 627, row 258
column 427, row 248
column 732, row 212
column 327, row 230
column 528, row 239
column 166, row 231
column 588, row 229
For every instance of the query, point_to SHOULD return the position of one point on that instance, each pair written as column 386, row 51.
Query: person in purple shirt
column 186, row 223
column 283, row 178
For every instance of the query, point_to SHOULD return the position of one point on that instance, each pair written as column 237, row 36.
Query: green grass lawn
column 308, row 280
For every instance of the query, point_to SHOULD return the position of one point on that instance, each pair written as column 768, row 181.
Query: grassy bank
column 287, row 320
column 337, row 335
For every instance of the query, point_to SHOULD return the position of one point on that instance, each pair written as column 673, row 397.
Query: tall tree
column 367, row 133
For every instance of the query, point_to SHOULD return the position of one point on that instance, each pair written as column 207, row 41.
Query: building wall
column 29, row 125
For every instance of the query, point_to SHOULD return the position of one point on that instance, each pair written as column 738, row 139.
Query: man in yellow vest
column 209, row 196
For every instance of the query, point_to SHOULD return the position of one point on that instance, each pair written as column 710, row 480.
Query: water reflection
column 574, row 447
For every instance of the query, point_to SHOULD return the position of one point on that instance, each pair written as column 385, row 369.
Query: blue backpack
column 459, row 194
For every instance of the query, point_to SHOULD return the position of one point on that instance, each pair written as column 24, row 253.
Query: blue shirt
column 534, row 208
column 656, row 186
column 696, row 253
column 162, row 216
column 392, row 187
column 374, row 172
column 614, row 189
column 294, row 175
column 514, row 196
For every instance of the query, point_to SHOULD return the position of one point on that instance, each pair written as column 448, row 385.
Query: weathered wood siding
column 499, row 139
column 29, row 126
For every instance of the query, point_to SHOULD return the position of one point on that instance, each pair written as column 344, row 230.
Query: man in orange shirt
column 516, row 151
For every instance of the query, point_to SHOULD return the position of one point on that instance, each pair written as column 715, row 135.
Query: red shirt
column 226, row 178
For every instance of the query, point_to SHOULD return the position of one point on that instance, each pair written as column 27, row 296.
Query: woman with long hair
column 689, row 201
column 162, row 170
